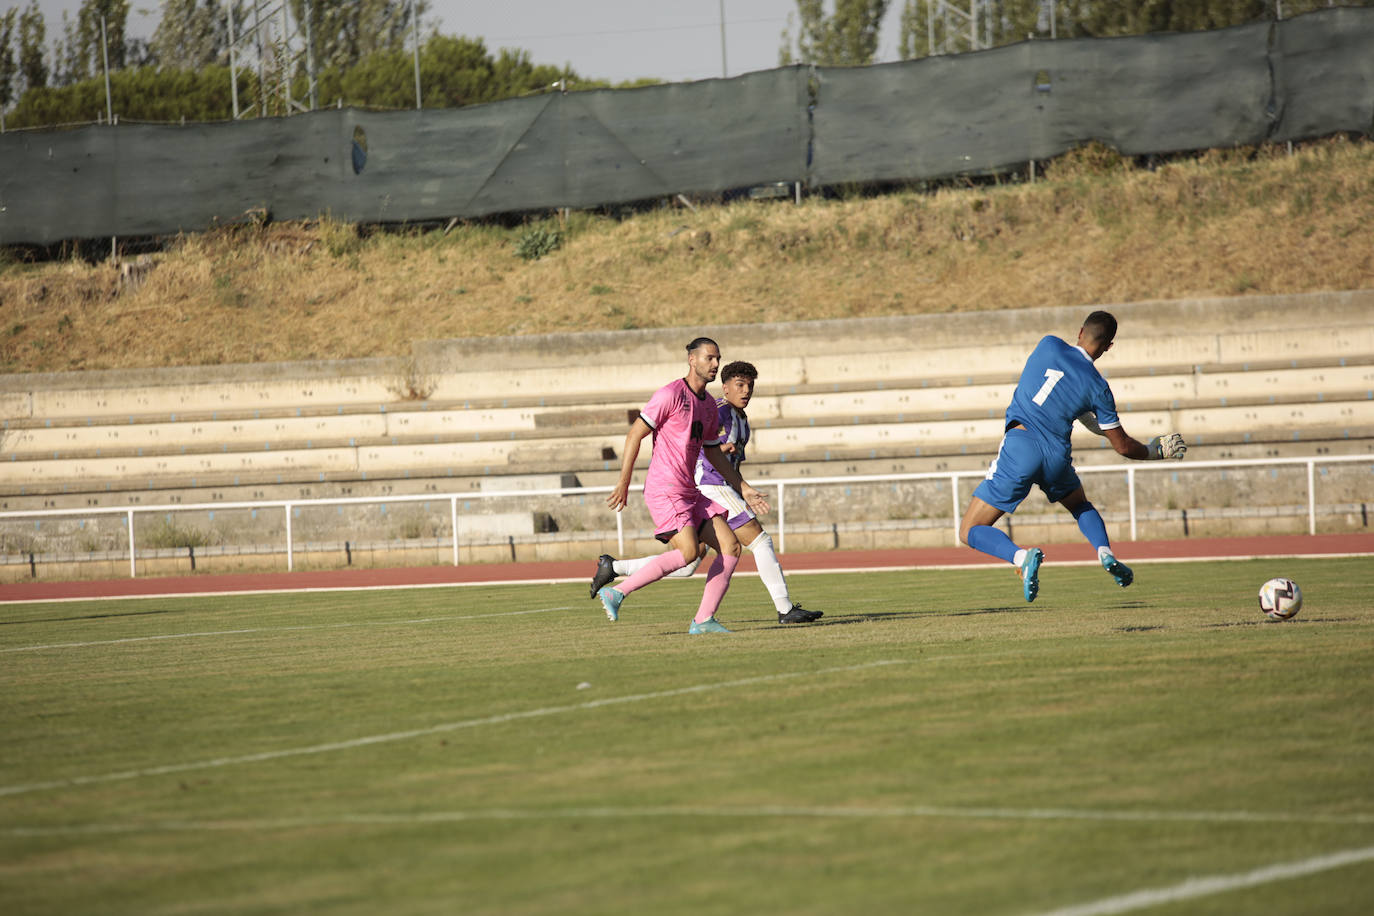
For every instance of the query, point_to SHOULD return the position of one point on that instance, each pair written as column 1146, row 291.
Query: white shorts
column 737, row 511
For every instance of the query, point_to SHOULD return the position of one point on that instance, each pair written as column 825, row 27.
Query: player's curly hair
column 738, row 368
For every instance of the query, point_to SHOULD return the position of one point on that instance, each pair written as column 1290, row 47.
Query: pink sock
column 652, row 571
column 717, row 581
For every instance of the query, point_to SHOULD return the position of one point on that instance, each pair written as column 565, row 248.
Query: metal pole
column 724, row 71
column 290, row 558
column 782, row 518
column 310, row 59
column 233, row 64
column 619, row 534
column 954, row 500
column 453, row 521
column 133, row 570
column 262, row 69
column 1130, row 490
column 105, row 53
column 284, row 59
column 415, row 31
column 1311, row 498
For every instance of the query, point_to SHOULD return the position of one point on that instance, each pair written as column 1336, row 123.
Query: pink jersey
column 682, row 422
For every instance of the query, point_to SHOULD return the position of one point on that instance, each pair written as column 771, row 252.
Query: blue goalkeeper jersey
column 1058, row 384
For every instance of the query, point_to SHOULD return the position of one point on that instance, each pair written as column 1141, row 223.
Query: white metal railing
column 1131, row 470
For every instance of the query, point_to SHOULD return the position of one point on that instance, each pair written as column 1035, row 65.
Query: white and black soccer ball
column 1280, row 598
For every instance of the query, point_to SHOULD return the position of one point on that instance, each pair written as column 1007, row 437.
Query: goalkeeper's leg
column 1095, row 530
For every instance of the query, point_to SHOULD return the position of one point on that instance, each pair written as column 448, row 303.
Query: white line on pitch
column 1216, row 884
column 310, row 626
column 835, row 570
column 286, row 590
column 431, row 730
column 848, row 812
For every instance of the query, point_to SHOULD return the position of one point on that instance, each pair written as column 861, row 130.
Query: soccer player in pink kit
column 683, row 421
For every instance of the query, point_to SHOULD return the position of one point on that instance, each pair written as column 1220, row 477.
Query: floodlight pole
column 233, row 65
column 105, row 53
column 724, row 71
column 415, row 32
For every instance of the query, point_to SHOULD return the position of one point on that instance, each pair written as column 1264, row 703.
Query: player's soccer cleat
column 709, row 625
column 799, row 614
column 1120, row 571
column 1030, row 573
column 605, row 573
column 610, row 600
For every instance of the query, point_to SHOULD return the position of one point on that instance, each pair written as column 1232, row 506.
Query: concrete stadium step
column 865, row 405
column 1249, row 330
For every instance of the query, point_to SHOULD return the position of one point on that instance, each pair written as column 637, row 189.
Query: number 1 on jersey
column 1052, row 377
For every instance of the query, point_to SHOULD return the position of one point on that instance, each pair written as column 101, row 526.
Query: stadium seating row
column 866, row 394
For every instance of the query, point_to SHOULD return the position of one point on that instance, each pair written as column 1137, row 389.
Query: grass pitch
column 933, row 745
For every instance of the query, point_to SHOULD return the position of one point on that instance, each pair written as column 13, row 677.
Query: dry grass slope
column 1096, row 230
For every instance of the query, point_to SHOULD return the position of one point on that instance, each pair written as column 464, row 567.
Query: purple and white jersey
column 734, row 430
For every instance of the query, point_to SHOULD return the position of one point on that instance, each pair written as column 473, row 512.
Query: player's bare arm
column 752, row 497
column 1170, row 445
column 620, row 496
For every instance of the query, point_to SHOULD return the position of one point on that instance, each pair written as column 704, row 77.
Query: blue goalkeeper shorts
column 1022, row 461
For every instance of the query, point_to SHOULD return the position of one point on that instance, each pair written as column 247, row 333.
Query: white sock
column 630, row 567
column 1019, row 557
column 770, row 571
column 1103, row 553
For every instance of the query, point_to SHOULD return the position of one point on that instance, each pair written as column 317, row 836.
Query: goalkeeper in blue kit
column 1059, row 385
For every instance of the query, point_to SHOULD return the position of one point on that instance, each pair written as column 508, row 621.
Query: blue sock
column 1091, row 524
column 993, row 542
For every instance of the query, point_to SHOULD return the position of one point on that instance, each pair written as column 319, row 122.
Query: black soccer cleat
column 605, row 573
column 798, row 614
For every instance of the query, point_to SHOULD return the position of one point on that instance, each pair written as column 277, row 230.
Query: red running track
column 1360, row 544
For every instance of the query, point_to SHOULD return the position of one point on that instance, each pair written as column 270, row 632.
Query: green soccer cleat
column 610, row 600
column 1120, row 571
column 1030, row 573
column 709, row 625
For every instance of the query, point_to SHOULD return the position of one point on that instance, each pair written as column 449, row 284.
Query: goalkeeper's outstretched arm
column 1169, row 445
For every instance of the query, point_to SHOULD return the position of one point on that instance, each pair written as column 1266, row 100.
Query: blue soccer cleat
column 1030, row 573
column 610, row 600
column 1120, row 571
column 709, row 625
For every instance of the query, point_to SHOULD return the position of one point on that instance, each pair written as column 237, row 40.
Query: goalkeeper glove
column 1170, row 445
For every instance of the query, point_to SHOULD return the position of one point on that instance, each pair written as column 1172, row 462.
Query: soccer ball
column 1280, row 598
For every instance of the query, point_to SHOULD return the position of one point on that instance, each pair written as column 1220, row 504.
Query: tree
column 9, row 68
column 344, row 32
column 847, row 37
column 32, row 33
column 193, row 34
column 81, row 53
column 1017, row 20
column 454, row 71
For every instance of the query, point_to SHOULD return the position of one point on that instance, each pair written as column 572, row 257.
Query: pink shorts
column 674, row 512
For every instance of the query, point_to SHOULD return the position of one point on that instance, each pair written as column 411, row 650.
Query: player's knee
column 732, row 548
column 1081, row 509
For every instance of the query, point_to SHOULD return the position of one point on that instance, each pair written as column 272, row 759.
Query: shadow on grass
column 11, row 623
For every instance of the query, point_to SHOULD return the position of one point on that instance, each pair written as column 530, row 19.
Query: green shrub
column 537, row 241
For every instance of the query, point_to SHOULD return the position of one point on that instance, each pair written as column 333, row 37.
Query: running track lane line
column 431, row 730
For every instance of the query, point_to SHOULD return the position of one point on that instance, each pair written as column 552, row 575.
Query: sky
column 616, row 40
